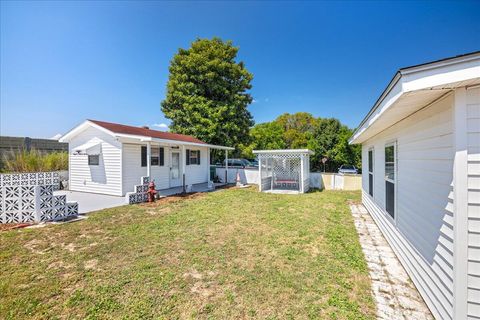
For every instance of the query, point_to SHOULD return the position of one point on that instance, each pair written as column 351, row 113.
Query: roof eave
column 359, row 130
column 79, row 128
column 305, row 151
column 404, row 83
column 170, row 142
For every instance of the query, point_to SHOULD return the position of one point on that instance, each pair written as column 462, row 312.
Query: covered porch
column 172, row 165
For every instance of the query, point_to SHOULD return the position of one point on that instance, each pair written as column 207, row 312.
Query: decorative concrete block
column 72, row 208
column 59, row 200
column 28, row 197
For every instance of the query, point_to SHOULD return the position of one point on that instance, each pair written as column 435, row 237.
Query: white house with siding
column 421, row 179
column 110, row 158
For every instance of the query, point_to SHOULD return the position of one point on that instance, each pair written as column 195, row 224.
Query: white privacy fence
column 247, row 175
column 28, row 197
column 318, row 180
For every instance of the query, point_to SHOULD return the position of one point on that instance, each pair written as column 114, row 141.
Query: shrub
column 34, row 161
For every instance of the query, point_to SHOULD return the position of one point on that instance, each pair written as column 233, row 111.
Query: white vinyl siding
column 473, row 132
column 422, row 232
column 198, row 173
column 105, row 178
column 133, row 170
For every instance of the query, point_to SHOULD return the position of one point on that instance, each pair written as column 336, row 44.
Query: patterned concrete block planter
column 28, row 197
column 140, row 194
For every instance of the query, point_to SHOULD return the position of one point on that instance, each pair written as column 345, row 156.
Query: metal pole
column 183, row 160
column 259, row 173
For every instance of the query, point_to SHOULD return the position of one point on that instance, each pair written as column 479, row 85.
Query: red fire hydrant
column 151, row 192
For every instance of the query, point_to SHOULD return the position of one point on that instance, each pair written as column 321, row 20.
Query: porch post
column 226, row 166
column 208, row 165
column 183, row 160
column 149, row 155
column 259, row 173
column 301, row 172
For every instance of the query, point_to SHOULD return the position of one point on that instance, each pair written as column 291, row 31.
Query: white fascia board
column 440, row 76
column 76, row 130
column 213, row 146
column 140, row 139
column 418, row 78
column 389, row 98
column 289, row 151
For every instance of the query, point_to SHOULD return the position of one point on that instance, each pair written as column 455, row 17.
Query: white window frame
column 392, row 143
column 196, row 152
column 93, row 155
column 372, row 149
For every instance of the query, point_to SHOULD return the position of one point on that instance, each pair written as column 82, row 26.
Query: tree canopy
column 207, row 93
column 327, row 137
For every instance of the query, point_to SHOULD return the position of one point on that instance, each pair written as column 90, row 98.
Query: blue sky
column 64, row 62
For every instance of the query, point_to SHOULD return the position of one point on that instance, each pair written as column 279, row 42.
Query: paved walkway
column 395, row 295
column 88, row 202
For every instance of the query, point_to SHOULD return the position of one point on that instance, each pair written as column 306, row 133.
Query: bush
column 34, row 161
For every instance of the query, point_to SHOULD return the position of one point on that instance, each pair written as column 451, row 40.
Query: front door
column 175, row 178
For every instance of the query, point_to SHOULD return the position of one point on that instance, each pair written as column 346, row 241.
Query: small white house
column 110, row 158
column 421, row 179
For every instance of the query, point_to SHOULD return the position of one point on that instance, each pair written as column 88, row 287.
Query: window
column 193, row 157
column 93, row 159
column 390, row 165
column 157, row 157
column 370, row 172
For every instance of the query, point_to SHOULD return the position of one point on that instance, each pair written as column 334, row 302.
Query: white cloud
column 254, row 101
column 161, row 126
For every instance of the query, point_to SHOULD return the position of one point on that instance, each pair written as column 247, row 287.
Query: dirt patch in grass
column 11, row 226
column 172, row 199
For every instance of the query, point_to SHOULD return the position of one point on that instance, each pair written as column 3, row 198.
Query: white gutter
column 379, row 101
column 171, row 142
column 283, row 151
column 409, row 82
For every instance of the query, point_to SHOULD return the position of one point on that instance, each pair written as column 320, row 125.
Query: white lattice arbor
column 284, row 170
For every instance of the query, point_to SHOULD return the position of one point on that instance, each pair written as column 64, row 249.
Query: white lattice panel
column 284, row 171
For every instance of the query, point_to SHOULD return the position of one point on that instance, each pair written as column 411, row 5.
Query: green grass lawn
column 231, row 254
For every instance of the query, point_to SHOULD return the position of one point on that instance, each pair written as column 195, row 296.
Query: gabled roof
column 413, row 88
column 138, row 134
column 140, row 131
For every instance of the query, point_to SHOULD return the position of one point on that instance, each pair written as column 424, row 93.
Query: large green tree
column 264, row 136
column 298, row 128
column 207, row 93
column 327, row 137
